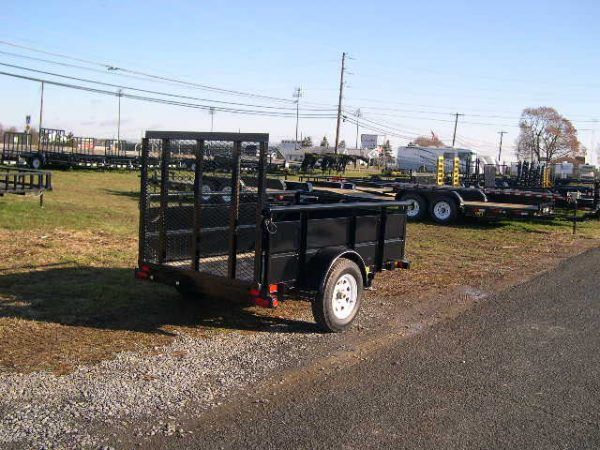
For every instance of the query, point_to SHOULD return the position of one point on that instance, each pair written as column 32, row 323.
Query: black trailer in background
column 209, row 225
column 57, row 149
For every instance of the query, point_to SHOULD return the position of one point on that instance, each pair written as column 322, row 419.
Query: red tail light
column 269, row 301
column 143, row 273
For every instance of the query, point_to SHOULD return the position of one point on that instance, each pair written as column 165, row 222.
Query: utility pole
column 456, row 115
column 339, row 113
column 119, row 121
column 297, row 95
column 358, row 116
column 41, row 113
column 211, row 111
column 501, row 133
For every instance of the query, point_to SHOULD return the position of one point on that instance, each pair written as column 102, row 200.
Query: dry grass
column 68, row 296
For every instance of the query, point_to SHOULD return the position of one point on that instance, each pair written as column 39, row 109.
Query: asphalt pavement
column 518, row 370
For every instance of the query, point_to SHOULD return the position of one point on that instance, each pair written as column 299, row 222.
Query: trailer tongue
column 210, row 230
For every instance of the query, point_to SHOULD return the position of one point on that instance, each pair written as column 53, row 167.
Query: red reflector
column 264, row 302
column 142, row 275
column 254, row 293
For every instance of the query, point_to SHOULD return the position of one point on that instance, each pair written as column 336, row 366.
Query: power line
column 147, row 91
column 165, row 101
column 114, row 68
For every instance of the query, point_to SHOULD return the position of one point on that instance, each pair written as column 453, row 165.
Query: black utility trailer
column 256, row 238
column 19, row 181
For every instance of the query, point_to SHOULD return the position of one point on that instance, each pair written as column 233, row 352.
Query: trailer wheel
column 419, row 206
column 226, row 194
column 337, row 305
column 35, row 162
column 206, row 189
column 443, row 210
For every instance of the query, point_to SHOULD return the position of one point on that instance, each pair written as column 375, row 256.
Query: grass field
column 68, row 296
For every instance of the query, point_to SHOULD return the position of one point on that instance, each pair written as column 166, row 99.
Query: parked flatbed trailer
column 260, row 244
column 444, row 204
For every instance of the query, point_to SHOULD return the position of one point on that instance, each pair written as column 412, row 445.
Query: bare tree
column 424, row 141
column 546, row 135
column 307, row 142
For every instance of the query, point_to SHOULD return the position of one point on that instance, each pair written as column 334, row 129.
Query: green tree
column 324, row 142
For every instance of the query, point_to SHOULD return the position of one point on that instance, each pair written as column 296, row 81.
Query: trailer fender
column 323, row 261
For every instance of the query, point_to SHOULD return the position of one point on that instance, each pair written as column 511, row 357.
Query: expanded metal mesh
column 195, row 215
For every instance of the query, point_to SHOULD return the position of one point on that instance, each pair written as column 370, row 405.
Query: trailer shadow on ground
column 530, row 225
column 111, row 299
column 133, row 195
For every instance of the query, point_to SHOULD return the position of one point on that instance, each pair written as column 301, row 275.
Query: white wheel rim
column 345, row 294
column 413, row 211
column 442, row 210
column 206, row 190
column 226, row 190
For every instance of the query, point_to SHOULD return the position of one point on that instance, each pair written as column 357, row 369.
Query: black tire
column 329, row 316
column 207, row 188
column 443, row 210
column 420, row 206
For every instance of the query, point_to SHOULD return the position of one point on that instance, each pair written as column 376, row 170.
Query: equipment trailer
column 254, row 240
column 443, row 204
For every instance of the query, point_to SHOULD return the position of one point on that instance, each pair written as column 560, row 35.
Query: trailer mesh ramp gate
column 197, row 212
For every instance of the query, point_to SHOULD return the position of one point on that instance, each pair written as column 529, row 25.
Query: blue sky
column 413, row 63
